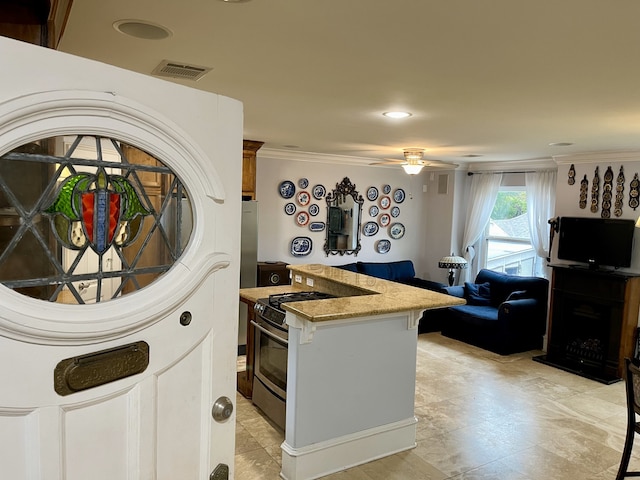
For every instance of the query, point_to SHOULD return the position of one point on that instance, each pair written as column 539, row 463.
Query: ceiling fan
column 413, row 161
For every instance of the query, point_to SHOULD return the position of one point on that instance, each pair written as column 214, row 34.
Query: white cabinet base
column 338, row 454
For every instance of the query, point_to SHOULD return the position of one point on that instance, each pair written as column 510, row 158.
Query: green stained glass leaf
column 134, row 205
column 64, row 201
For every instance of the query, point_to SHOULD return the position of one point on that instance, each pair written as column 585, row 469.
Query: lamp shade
column 452, row 261
column 412, row 169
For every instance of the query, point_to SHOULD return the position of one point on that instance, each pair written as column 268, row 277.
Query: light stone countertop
column 358, row 295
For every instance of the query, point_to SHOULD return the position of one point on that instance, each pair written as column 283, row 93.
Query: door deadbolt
column 222, row 409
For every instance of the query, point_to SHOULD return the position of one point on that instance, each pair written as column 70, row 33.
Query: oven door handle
column 268, row 333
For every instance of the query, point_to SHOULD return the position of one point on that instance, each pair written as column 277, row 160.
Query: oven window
column 273, row 361
column 86, row 219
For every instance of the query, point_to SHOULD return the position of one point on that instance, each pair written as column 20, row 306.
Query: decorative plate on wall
column 314, row 210
column 316, row 226
column 395, row 211
column 319, row 191
column 301, row 246
column 373, row 210
column 386, row 189
column 290, row 208
column 396, row 231
column 303, row 183
column 383, row 246
column 287, row 189
column 304, row 198
column 302, row 218
column 398, row 195
column 372, row 193
column 384, row 220
column 369, row 229
column 385, row 202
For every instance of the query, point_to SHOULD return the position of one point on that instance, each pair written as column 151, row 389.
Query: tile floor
column 481, row 416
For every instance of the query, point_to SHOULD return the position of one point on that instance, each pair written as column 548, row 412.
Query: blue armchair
column 504, row 313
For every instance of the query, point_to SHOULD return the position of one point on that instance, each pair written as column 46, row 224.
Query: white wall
column 439, row 224
column 567, row 196
column 425, row 215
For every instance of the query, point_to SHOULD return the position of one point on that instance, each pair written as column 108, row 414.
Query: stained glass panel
column 86, row 219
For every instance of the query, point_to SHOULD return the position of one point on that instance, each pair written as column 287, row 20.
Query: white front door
column 118, row 277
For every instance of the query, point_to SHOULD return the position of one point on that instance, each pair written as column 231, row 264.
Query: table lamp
column 452, row 262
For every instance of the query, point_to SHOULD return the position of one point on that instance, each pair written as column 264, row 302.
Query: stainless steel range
column 271, row 343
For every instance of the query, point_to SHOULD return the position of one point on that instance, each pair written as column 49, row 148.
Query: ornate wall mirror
column 344, row 211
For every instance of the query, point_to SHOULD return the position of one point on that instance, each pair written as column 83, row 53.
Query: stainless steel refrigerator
column 248, row 261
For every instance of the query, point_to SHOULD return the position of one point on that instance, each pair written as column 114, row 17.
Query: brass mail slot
column 94, row 369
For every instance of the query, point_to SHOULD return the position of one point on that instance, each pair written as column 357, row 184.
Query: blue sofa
column 401, row 271
column 504, row 313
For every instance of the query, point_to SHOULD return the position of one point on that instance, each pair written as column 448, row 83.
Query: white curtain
column 484, row 191
column 541, row 202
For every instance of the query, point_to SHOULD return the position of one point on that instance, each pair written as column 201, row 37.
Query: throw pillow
column 477, row 294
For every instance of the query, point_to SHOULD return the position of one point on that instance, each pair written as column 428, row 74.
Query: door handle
column 269, row 334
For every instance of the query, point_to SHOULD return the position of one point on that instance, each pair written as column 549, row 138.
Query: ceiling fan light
column 412, row 169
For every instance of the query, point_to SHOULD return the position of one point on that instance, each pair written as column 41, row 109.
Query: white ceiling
column 497, row 78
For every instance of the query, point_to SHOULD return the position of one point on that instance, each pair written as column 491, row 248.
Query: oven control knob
column 222, row 409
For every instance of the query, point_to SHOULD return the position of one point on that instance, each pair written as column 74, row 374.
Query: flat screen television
column 596, row 241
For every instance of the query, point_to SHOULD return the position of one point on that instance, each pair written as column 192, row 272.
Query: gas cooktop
column 271, row 308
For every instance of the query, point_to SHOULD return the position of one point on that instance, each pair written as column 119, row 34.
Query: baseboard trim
column 325, row 458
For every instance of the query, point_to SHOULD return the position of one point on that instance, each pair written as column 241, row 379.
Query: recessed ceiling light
column 142, row 29
column 397, row 114
column 560, row 144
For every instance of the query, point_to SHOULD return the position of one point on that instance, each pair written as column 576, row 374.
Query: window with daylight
column 508, row 240
column 86, row 219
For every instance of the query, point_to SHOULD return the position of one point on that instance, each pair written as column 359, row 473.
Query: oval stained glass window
column 86, row 219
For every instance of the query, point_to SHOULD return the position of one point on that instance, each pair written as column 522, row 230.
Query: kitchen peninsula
column 351, row 368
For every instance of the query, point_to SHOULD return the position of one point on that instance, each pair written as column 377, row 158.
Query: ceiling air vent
column 167, row 68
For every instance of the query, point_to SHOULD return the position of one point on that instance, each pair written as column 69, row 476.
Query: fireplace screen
column 85, row 219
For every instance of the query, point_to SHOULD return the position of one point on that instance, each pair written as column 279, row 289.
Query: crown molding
column 595, row 157
column 298, row 156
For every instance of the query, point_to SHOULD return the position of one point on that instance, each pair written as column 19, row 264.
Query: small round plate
column 290, row 208
column 398, row 195
column 386, row 189
column 287, row 189
column 319, row 191
column 303, row 183
column 302, row 218
column 372, row 193
column 385, row 219
column 395, row 211
column 314, row 210
column 383, row 246
column 369, row 229
column 303, row 198
column 385, row 202
column 396, row 231
column 373, row 210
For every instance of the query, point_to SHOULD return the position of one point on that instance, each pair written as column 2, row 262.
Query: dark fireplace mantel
column 593, row 322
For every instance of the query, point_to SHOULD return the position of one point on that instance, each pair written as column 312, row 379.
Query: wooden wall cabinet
column 40, row 22
column 249, row 154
